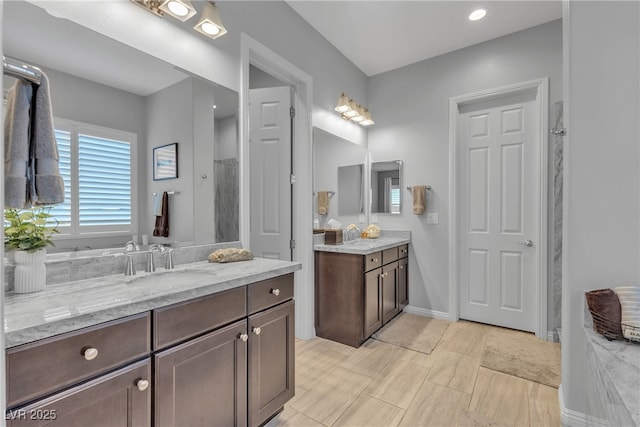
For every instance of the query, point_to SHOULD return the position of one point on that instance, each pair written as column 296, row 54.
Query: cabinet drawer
column 113, row 399
column 267, row 293
column 389, row 255
column 403, row 251
column 181, row 321
column 372, row 261
column 42, row 367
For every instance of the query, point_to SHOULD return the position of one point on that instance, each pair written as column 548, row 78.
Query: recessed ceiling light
column 477, row 14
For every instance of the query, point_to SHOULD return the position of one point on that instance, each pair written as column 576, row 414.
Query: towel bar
column 331, row 193
column 168, row 192
column 427, row 187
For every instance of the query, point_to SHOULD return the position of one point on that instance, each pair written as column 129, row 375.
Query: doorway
column 498, row 251
column 256, row 54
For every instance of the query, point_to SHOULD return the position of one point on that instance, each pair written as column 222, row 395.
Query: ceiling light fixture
column 179, row 9
column 210, row 23
column 351, row 110
column 477, row 14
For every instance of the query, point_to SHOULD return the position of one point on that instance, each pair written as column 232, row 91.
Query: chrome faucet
column 151, row 266
column 131, row 269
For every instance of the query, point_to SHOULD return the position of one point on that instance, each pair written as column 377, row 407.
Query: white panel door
column 270, row 159
column 499, row 212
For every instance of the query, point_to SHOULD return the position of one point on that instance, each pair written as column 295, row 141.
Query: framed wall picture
column 165, row 162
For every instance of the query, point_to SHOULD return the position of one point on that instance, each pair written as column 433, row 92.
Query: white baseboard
column 427, row 313
column 569, row 417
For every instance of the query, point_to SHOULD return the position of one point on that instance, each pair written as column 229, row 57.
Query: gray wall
column 418, row 134
column 169, row 120
column 601, row 178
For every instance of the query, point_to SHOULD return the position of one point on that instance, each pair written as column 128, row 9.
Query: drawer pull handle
column 257, row 331
column 275, row 291
column 374, row 259
column 90, row 353
column 244, row 337
column 142, row 385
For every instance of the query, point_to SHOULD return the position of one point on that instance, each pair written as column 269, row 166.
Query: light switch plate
column 432, row 218
column 374, row 218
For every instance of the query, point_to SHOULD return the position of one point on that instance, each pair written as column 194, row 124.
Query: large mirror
column 98, row 81
column 339, row 167
column 351, row 190
column 386, row 187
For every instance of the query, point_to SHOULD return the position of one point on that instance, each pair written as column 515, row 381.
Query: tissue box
column 332, row 237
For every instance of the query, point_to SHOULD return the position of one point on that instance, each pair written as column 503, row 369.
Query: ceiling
column 379, row 36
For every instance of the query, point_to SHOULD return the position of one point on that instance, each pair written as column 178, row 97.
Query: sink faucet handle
column 131, row 269
column 168, row 259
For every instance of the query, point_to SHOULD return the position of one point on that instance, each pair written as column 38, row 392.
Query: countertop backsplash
column 71, row 266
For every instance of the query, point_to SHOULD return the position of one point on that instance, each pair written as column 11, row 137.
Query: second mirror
column 386, row 187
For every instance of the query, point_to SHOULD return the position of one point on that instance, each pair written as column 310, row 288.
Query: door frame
column 254, row 53
column 541, row 89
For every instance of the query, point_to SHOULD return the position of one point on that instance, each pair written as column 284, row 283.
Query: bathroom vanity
column 359, row 287
column 210, row 342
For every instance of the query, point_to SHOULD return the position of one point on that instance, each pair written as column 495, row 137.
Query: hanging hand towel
column 323, row 202
column 419, row 193
column 162, row 222
column 16, row 145
column 48, row 186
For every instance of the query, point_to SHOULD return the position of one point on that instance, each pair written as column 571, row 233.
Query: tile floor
column 380, row 384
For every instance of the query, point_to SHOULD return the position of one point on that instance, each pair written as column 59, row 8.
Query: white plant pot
column 31, row 273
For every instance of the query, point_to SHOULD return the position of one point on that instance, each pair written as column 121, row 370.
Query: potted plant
column 27, row 233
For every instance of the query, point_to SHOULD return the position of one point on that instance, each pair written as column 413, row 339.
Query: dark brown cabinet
column 203, row 382
column 389, row 285
column 271, row 362
column 357, row 294
column 121, row 398
column 372, row 302
column 225, row 359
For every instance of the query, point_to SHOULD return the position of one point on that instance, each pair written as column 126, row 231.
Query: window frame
column 75, row 231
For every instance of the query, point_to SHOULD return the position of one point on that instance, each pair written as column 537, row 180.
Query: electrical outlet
column 432, row 218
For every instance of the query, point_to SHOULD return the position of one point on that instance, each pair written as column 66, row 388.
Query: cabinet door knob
column 401, row 267
column 256, row 331
column 244, row 337
column 90, row 353
column 275, row 291
column 142, row 385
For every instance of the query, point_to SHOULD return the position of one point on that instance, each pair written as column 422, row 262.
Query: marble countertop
column 70, row 306
column 620, row 361
column 364, row 246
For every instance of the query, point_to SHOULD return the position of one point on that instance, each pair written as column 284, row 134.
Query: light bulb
column 210, row 29
column 178, row 8
column 477, row 14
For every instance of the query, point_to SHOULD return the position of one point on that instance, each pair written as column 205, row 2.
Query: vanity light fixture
column 210, row 23
column 477, row 14
column 343, row 104
column 351, row 110
column 179, row 9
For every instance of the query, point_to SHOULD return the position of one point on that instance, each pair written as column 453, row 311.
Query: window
column 395, row 199
column 96, row 165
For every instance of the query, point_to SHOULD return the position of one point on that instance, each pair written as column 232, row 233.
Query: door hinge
column 292, row 244
column 292, row 179
column 292, row 112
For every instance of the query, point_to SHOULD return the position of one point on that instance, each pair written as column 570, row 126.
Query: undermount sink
column 169, row 277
